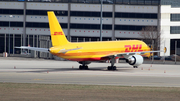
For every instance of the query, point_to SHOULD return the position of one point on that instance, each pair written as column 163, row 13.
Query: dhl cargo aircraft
column 85, row 52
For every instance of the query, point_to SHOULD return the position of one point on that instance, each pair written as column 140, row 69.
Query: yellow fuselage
column 94, row 51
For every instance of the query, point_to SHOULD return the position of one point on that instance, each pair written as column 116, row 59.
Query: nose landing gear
column 112, row 67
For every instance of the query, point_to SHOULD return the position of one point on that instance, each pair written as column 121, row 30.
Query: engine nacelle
column 135, row 60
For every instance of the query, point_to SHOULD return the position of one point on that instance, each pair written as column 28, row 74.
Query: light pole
column 101, row 22
column 10, row 16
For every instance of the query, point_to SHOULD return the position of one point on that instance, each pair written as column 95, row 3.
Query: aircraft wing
column 131, row 53
column 34, row 48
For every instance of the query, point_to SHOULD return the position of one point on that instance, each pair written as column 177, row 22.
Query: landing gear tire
column 81, row 67
column 111, row 68
column 135, row 66
column 86, row 67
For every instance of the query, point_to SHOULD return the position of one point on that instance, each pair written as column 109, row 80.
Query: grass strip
column 58, row 92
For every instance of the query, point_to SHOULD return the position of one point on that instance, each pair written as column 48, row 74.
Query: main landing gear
column 112, row 67
column 135, row 66
column 84, row 65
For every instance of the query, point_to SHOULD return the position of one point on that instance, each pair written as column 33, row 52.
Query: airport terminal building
column 25, row 22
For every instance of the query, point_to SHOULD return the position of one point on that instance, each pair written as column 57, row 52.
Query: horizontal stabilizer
column 66, row 50
column 34, row 48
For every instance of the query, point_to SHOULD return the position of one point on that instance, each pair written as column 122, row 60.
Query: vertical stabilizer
column 57, row 35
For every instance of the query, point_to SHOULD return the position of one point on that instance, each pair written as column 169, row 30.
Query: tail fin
column 57, row 35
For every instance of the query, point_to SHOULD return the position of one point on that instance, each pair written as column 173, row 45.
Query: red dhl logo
column 58, row 33
column 133, row 48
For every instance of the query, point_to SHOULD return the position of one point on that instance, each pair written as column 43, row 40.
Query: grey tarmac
column 28, row 70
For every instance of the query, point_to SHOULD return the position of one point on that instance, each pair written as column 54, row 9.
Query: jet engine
column 135, row 60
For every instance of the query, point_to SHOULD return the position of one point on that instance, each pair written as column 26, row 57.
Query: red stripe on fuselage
column 88, row 59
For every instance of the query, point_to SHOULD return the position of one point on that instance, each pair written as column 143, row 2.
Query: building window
column 2, row 40
column 11, row 11
column 129, row 27
column 119, row 1
column 90, row 26
column 107, row 14
column 172, row 46
column 90, row 14
column 42, row 25
column 173, row 3
column 17, row 43
column 44, row 12
column 12, row 24
column 175, row 30
column 175, row 17
column 133, row 1
column 148, row 2
column 125, row 1
column 139, row 2
column 135, row 15
column 155, row 2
